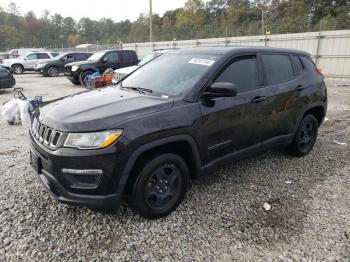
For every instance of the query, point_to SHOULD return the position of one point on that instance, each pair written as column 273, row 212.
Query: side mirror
column 105, row 60
column 26, row 58
column 221, row 89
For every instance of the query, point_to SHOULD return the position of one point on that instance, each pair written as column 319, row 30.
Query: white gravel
column 222, row 217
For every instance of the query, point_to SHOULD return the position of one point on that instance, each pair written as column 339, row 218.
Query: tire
column 305, row 137
column 17, row 69
column 159, row 186
column 83, row 75
column 52, row 72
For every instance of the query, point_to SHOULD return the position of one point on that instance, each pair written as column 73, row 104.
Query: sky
column 115, row 9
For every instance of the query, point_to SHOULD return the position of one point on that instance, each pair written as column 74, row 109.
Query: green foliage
column 197, row 19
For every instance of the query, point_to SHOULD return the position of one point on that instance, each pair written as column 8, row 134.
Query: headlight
column 75, row 68
column 93, row 140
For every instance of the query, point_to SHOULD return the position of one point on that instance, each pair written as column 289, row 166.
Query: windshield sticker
column 201, row 61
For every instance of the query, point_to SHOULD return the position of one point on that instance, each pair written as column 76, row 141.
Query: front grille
column 67, row 69
column 46, row 135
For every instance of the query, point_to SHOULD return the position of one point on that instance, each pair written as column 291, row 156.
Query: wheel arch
column 318, row 111
column 182, row 145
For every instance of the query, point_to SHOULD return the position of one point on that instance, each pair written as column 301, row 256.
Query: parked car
column 78, row 71
column 175, row 119
column 24, row 51
column 123, row 72
column 6, row 78
column 4, row 56
column 56, row 66
column 26, row 62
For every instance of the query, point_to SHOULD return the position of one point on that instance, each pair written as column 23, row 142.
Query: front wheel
column 305, row 137
column 160, row 186
column 17, row 69
column 52, row 72
column 83, row 77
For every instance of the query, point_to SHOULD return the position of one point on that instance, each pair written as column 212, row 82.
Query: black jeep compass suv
column 173, row 120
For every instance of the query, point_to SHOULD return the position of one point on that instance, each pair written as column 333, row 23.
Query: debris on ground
column 267, row 206
column 339, row 143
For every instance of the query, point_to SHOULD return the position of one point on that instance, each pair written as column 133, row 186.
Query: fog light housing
column 83, row 178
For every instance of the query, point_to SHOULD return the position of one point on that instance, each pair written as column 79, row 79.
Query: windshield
column 149, row 57
column 171, row 74
column 97, row 56
column 58, row 57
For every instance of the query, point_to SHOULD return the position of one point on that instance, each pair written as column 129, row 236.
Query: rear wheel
column 160, row 186
column 52, row 72
column 82, row 77
column 305, row 137
column 17, row 69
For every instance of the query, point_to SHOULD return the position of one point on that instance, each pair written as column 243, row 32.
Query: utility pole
column 150, row 23
column 262, row 22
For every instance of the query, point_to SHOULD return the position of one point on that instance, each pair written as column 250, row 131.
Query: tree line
column 197, row 19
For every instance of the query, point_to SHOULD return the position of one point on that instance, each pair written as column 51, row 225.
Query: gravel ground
column 222, row 217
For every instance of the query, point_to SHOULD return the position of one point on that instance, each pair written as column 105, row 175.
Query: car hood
column 126, row 70
column 79, row 63
column 99, row 109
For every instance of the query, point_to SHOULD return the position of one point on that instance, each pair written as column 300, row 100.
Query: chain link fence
column 330, row 49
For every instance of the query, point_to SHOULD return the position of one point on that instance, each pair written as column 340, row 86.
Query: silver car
column 26, row 62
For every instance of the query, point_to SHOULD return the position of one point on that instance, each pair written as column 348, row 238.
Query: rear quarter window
column 277, row 68
column 309, row 65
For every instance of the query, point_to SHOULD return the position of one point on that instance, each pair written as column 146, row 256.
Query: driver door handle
column 258, row 99
column 300, row 88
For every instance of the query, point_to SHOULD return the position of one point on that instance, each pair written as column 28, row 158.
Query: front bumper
column 49, row 164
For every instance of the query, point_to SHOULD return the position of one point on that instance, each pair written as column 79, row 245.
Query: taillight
column 319, row 70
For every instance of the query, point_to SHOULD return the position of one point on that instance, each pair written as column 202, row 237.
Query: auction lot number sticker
column 201, row 61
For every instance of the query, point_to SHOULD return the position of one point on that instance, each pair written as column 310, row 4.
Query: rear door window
column 298, row 66
column 244, row 73
column 128, row 57
column 32, row 57
column 277, row 68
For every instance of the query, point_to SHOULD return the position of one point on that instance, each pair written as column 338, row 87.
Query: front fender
column 145, row 147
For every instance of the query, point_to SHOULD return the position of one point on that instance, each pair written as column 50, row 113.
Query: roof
column 238, row 49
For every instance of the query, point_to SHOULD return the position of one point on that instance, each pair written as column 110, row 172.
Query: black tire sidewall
column 137, row 197
column 296, row 144
column 83, row 75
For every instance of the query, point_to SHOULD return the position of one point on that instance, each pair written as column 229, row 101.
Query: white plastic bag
column 10, row 110
column 24, row 107
column 17, row 109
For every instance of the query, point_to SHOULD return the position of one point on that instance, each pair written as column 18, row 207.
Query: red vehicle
column 4, row 56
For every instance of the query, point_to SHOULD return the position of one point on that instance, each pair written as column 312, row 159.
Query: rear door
column 282, row 86
column 128, row 58
column 230, row 123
